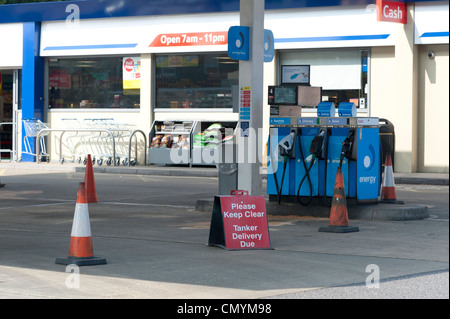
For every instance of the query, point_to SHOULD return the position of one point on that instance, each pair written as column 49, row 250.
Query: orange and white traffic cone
column 81, row 251
column 388, row 194
column 89, row 180
column 339, row 214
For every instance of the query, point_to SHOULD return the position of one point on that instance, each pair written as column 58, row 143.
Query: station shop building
column 143, row 62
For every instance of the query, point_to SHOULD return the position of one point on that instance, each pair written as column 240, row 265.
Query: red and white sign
column 246, row 96
column 190, row 39
column 59, row 79
column 128, row 65
column 392, row 11
column 131, row 73
column 245, row 222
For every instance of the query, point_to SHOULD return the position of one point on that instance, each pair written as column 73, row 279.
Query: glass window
column 105, row 82
column 342, row 73
column 195, row 80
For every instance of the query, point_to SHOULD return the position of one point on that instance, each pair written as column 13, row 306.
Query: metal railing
column 80, row 130
column 93, row 130
column 145, row 147
column 10, row 151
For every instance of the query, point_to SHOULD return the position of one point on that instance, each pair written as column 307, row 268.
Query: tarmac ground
column 156, row 242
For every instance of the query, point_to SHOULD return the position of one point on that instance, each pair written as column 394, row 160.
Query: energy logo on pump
column 240, row 42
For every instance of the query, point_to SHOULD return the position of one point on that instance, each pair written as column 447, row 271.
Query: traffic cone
column 81, row 252
column 339, row 214
column 89, row 180
column 388, row 194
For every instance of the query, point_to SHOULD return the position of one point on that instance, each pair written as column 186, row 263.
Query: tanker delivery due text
column 245, row 234
column 245, row 222
column 240, row 222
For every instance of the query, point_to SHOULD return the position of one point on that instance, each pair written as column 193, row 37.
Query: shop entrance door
column 9, row 99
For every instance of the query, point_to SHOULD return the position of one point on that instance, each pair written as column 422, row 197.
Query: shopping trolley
column 102, row 143
column 121, row 133
column 76, row 142
column 32, row 128
column 110, row 145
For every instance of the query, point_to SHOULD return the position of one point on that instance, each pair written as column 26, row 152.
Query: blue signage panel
column 96, row 9
column 307, row 121
column 239, row 43
column 368, row 165
column 337, row 121
column 269, row 46
column 244, row 114
column 280, row 121
column 245, row 129
column 326, row 109
column 347, row 109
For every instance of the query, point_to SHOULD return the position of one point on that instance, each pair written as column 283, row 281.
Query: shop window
column 106, row 82
column 195, row 81
column 342, row 73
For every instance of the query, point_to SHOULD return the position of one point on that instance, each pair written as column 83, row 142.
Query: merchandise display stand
column 170, row 142
column 189, row 142
column 207, row 137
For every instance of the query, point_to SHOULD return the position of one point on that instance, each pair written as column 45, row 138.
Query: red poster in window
column 391, row 11
column 59, row 79
column 240, row 222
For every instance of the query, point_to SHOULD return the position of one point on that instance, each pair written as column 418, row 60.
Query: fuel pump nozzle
column 286, row 146
column 316, row 149
column 347, row 147
column 286, row 149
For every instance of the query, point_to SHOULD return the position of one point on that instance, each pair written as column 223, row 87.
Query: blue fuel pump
column 305, row 153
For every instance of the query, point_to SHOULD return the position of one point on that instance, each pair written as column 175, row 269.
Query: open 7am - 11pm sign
column 239, row 221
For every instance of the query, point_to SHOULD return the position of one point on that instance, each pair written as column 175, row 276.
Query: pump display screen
column 285, row 95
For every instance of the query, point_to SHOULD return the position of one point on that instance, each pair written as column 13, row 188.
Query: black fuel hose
column 307, row 170
column 282, row 178
column 325, row 201
column 275, row 174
